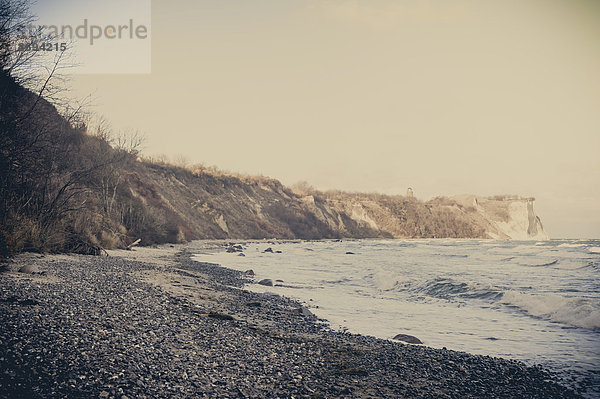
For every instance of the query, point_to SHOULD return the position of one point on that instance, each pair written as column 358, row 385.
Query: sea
column 538, row 302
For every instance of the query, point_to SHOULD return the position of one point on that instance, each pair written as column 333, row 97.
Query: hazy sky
column 448, row 97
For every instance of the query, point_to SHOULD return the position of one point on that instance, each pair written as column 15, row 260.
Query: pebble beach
column 152, row 323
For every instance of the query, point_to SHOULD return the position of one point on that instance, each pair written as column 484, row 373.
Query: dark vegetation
column 58, row 183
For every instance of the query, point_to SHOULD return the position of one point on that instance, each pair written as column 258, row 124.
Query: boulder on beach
column 303, row 311
column 220, row 316
column 231, row 248
column 407, row 338
column 249, row 272
column 270, row 250
column 28, row 269
column 267, row 281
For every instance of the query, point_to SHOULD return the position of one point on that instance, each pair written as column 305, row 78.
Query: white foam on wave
column 565, row 245
column 572, row 265
column 539, row 263
column 594, row 250
column 386, row 280
column 579, row 312
column 522, row 249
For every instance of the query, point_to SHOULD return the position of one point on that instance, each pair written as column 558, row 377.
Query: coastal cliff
column 66, row 187
column 507, row 217
column 209, row 204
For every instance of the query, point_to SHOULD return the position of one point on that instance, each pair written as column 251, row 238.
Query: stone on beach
column 408, row 338
column 220, row 316
column 28, row 269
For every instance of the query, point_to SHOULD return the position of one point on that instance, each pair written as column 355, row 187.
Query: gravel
column 91, row 327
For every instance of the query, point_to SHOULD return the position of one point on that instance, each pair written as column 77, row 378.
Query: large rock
column 28, row 269
column 303, row 311
column 220, row 316
column 267, row 281
column 407, row 338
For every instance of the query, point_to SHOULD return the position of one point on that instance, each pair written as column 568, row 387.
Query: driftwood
column 133, row 244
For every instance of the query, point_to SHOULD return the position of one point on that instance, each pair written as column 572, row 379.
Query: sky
column 447, row 97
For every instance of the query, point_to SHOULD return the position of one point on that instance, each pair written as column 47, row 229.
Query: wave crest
column 445, row 288
column 578, row 312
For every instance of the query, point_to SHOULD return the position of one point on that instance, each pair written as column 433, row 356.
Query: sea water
column 538, row 302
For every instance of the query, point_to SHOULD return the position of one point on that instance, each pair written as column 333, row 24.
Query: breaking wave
column 444, row 288
column 578, row 312
column 542, row 264
column 570, row 245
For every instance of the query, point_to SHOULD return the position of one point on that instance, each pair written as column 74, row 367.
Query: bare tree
column 125, row 148
column 50, row 166
column 22, row 50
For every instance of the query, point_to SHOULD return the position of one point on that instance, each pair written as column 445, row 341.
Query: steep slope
column 216, row 205
column 220, row 206
column 508, row 217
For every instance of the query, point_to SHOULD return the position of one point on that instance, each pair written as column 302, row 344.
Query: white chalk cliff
column 464, row 216
column 508, row 217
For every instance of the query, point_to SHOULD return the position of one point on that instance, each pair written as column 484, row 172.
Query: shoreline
column 154, row 323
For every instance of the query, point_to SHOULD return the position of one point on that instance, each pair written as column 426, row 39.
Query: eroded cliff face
column 208, row 205
column 467, row 216
column 507, row 217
